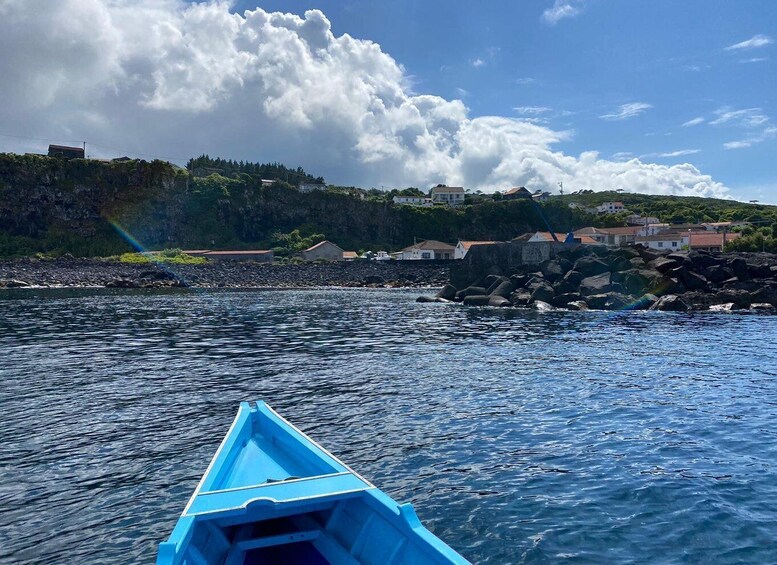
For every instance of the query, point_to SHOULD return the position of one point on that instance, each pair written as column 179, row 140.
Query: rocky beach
column 76, row 272
column 598, row 278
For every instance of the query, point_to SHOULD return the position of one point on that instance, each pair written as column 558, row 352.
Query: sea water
column 519, row 436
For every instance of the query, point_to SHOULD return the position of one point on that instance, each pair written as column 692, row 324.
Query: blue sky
column 659, row 96
column 501, row 55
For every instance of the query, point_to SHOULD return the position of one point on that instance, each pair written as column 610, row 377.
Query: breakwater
column 71, row 272
column 546, row 276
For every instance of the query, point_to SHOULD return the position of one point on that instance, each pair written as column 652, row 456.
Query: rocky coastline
column 70, row 272
column 597, row 278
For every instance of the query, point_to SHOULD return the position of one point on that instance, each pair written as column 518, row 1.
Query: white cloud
column 752, row 43
column 680, row 153
column 462, row 92
column 531, row 110
column 693, row 122
column 626, row 111
column 765, row 135
column 737, row 144
column 754, row 60
column 478, row 63
column 525, row 80
column 162, row 76
column 561, row 9
column 748, row 117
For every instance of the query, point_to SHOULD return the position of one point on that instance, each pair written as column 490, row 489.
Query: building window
column 674, row 244
column 660, row 243
column 426, row 255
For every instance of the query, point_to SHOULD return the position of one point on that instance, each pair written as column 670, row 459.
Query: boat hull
column 272, row 494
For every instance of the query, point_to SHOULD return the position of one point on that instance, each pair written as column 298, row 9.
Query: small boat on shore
column 273, row 495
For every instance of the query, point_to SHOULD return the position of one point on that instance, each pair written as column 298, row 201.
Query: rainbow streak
column 140, row 248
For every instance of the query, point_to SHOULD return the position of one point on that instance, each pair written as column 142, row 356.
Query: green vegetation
column 167, row 256
column 203, row 166
column 93, row 208
column 287, row 244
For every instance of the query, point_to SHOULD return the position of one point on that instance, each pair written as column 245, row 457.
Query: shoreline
column 66, row 272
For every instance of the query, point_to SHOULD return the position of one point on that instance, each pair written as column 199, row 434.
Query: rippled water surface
column 518, row 436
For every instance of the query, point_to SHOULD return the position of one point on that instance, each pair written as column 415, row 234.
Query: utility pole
column 561, row 188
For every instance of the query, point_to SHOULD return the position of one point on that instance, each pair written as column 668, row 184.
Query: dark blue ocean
column 585, row 437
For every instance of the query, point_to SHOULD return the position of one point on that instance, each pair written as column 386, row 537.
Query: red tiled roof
column 711, row 239
column 430, row 244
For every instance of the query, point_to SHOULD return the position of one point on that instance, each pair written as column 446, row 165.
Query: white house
column 428, row 250
column 412, row 200
column 462, row 247
column 610, row 207
column 449, row 195
column 663, row 241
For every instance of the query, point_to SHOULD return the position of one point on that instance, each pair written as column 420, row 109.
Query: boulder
column 442, row 300
column 607, row 301
column 543, row 293
column 577, row 305
column 765, row 294
column 717, row 274
column 763, row 306
column 736, row 284
column 759, row 271
column 738, row 266
column 591, row 266
column 597, row 284
column 561, row 300
column 470, row 291
column 492, row 281
column 374, row 279
column 498, row 301
column 477, row 300
column 690, row 280
column 574, row 278
column 542, row 306
column 520, row 298
column 552, row 270
column 638, row 263
column 504, row 289
column 670, row 303
column 426, row 299
column 563, row 286
column 448, row 292
column 647, row 254
column 519, row 280
column 637, row 281
column 741, row 298
column 664, row 264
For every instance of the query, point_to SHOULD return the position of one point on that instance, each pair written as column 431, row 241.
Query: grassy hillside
column 90, row 207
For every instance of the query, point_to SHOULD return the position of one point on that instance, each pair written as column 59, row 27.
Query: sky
column 659, row 97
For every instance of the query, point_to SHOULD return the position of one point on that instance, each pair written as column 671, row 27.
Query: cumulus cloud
column 156, row 77
column 561, row 9
column 626, row 111
column 752, row 43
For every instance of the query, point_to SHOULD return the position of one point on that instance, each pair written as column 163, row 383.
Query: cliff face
column 75, row 203
column 90, row 207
